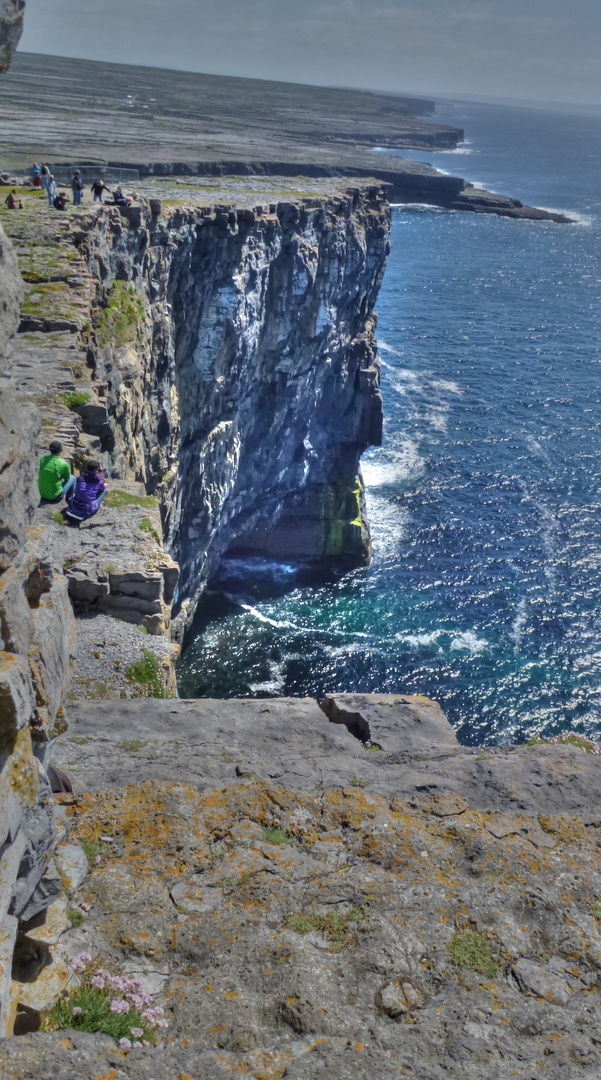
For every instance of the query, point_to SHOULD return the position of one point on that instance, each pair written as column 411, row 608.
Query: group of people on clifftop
column 84, row 493
column 41, row 177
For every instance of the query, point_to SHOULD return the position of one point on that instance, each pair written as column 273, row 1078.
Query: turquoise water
column 484, row 501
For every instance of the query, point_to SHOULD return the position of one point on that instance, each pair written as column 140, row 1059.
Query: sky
column 538, row 50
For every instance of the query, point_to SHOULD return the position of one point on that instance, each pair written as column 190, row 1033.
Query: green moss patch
column 117, row 500
column 120, row 320
column 472, row 950
column 147, row 527
column 336, row 926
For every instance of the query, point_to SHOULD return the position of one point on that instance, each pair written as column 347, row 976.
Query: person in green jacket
column 54, row 478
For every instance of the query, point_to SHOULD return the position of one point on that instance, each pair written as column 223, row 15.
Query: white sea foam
column 417, row 640
column 406, row 382
column 282, row 624
column 521, row 618
column 469, row 641
column 466, row 640
column 275, row 685
column 383, row 346
column 535, row 447
column 437, row 417
column 392, row 466
column 446, row 386
column 580, row 219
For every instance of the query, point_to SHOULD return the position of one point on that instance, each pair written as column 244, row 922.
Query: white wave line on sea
column 586, row 220
column 460, row 640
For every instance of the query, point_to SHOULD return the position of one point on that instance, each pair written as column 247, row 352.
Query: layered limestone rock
column 304, row 902
column 36, row 639
column 249, row 389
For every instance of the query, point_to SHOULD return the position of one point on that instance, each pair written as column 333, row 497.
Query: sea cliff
column 304, row 887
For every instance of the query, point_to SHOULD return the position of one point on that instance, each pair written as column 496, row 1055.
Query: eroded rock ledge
column 304, row 902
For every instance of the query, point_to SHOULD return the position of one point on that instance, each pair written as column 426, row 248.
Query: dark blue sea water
column 484, row 502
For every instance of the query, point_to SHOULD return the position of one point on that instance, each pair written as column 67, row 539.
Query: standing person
column 98, row 190
column 76, row 187
column 54, row 476
column 36, row 174
column 90, row 490
column 45, row 176
column 51, row 190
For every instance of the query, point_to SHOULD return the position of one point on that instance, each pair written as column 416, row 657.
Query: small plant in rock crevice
column 93, row 850
column 147, row 527
column 276, row 836
column 145, row 674
column 335, row 926
column 75, row 398
column 114, row 1005
column 472, row 950
column 119, row 321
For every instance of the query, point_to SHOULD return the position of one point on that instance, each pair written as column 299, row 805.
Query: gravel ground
column 105, row 649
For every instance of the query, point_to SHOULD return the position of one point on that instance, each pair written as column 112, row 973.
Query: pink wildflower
column 77, row 1011
column 97, row 859
column 78, row 966
column 98, row 981
column 124, row 1044
column 136, row 1032
column 85, row 907
column 136, row 1001
column 161, row 1023
column 137, row 1044
column 119, row 1006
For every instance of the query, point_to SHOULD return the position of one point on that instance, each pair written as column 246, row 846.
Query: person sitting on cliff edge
column 54, row 476
column 90, row 490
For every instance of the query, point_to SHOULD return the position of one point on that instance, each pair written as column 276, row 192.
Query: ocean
column 484, row 500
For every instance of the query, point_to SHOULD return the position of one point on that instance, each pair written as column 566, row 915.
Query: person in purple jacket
column 90, row 490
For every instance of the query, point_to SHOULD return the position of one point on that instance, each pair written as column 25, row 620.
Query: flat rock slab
column 392, row 722
column 209, row 743
column 424, row 948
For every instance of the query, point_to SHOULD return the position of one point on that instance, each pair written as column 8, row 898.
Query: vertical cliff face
column 251, row 389
column 11, row 28
column 36, row 641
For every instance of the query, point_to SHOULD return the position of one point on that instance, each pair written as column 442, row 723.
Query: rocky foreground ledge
column 340, row 890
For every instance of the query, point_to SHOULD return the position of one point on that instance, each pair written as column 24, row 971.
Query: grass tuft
column 335, row 926
column 119, row 322
column 275, row 836
column 117, row 500
column 472, row 950
column 147, row 527
column 75, row 917
column 92, row 848
column 75, row 398
column 146, row 674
